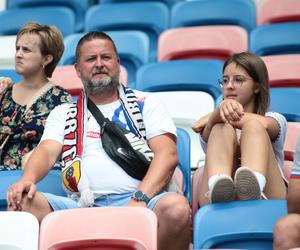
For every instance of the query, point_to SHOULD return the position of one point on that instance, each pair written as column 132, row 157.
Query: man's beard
column 107, row 85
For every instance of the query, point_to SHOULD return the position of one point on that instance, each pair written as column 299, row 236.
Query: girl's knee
column 253, row 127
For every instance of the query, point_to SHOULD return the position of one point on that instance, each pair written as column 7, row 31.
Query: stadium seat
column 283, row 70
column 18, row 230
column 292, row 135
column 184, row 155
column 286, row 102
column 275, row 39
column 79, row 7
column 62, row 17
column 133, row 49
column 218, row 12
column 11, row 73
column 99, row 228
column 237, row 225
column 187, row 88
column 170, row 3
column 273, row 11
column 7, row 51
column 215, row 42
column 52, row 183
column 66, row 77
column 150, row 17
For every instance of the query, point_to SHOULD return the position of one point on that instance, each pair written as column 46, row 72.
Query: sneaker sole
column 247, row 186
column 223, row 191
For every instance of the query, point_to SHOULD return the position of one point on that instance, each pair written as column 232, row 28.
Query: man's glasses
column 236, row 80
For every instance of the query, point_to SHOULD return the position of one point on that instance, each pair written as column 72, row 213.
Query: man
column 287, row 229
column 104, row 183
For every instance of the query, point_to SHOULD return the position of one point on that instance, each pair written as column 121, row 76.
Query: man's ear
column 77, row 70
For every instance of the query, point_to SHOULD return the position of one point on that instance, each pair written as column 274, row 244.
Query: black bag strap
column 97, row 114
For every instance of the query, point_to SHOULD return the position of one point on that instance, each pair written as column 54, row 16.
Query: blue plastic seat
column 13, row 19
column 79, row 7
column 274, row 39
column 286, row 102
column 150, row 17
column 52, row 183
column 183, row 150
column 133, row 49
column 217, row 12
column 238, row 224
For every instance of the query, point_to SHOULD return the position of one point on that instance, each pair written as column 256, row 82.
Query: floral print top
column 25, row 128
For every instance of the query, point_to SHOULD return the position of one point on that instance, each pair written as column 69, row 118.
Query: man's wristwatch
column 140, row 196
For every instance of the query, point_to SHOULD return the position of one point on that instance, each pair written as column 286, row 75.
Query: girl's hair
column 92, row 36
column 257, row 70
column 51, row 42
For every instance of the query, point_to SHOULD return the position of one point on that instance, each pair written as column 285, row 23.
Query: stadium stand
column 238, row 224
column 215, row 42
column 272, row 11
column 79, row 7
column 104, row 228
column 150, row 17
column 218, row 12
column 62, row 17
column 133, row 49
column 170, row 3
column 275, row 39
column 19, row 231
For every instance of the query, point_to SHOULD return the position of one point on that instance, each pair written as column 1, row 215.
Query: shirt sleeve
column 296, row 164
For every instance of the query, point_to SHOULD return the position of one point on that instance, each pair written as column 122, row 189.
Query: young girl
column 243, row 142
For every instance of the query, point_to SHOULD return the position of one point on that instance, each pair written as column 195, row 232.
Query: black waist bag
column 128, row 150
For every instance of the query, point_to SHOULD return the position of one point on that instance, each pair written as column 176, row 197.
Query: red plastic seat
column 274, row 11
column 216, row 42
column 284, row 70
column 99, row 228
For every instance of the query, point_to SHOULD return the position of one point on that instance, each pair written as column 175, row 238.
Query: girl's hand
column 199, row 125
column 231, row 110
column 5, row 83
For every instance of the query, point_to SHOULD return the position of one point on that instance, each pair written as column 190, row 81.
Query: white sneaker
column 246, row 184
column 223, row 190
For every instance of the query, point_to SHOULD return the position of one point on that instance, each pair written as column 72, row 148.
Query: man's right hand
column 16, row 193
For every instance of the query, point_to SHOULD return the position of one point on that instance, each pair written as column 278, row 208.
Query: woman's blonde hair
column 51, row 42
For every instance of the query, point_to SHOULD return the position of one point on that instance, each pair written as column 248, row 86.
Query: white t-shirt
column 106, row 176
column 277, row 144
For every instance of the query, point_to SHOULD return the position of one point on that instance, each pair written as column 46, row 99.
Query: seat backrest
column 62, row 17
column 133, row 49
column 238, row 224
column 104, row 228
column 292, row 135
column 283, row 70
column 269, row 39
column 7, row 51
column 52, row 183
column 66, row 77
column 286, row 102
column 273, row 11
column 149, row 17
column 170, row 3
column 79, row 7
column 184, row 155
column 218, row 12
column 11, row 73
column 215, row 42
column 18, row 230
